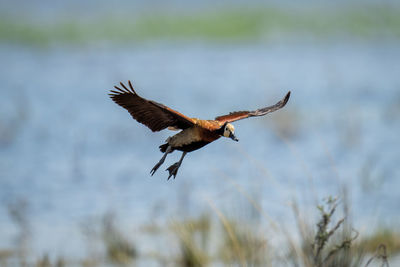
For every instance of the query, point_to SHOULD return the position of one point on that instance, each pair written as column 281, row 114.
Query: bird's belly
column 192, row 146
column 191, row 139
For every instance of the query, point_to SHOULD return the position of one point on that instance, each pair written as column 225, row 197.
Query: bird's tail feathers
column 163, row 147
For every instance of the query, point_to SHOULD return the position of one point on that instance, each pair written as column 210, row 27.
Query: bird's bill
column 233, row 137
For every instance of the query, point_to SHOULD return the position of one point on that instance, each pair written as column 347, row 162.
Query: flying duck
column 195, row 133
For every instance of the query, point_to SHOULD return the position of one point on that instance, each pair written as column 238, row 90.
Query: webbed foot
column 155, row 168
column 173, row 169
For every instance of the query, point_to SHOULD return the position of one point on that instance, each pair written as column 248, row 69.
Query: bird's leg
column 161, row 161
column 173, row 169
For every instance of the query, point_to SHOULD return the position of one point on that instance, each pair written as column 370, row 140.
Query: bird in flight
column 195, row 133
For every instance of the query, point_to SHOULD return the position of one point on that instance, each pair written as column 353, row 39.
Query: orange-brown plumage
column 195, row 133
column 239, row 115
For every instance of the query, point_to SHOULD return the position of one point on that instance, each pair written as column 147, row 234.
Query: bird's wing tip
column 286, row 99
column 124, row 89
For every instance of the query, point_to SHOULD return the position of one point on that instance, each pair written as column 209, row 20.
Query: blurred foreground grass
column 231, row 24
column 216, row 238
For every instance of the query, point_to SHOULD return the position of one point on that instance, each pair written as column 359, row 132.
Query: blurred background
column 75, row 187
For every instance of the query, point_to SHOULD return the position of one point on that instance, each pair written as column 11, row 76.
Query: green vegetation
column 214, row 238
column 119, row 250
column 194, row 241
column 329, row 243
column 386, row 236
column 222, row 25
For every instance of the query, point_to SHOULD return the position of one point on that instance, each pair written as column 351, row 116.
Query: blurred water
column 72, row 153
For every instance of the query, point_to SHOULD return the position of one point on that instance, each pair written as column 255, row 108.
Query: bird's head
column 229, row 131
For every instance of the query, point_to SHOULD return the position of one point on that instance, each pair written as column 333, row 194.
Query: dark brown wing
column 154, row 115
column 238, row 115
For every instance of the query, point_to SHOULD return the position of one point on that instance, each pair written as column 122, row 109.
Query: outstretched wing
column 154, row 115
column 239, row 115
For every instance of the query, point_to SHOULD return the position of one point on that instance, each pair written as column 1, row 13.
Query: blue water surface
column 72, row 154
